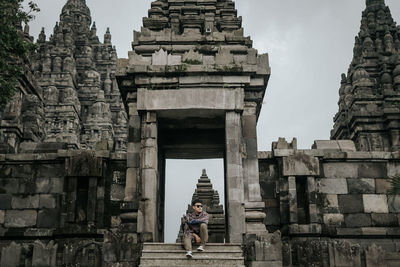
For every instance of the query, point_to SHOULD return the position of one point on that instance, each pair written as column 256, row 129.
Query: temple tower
column 77, row 74
column 194, row 87
column 369, row 107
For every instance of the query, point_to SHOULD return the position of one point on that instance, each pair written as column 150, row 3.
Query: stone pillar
column 254, row 206
column 234, row 178
column 312, row 199
column 250, row 162
column 292, row 200
column 149, row 176
column 133, row 154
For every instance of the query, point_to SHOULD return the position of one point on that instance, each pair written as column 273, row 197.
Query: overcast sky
column 310, row 43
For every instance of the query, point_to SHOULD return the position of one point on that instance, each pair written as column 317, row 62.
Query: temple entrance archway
column 188, row 179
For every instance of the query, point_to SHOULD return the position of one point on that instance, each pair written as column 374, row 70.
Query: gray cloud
column 310, row 43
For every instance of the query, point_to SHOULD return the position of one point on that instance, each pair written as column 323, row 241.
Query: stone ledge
column 368, row 231
column 188, row 99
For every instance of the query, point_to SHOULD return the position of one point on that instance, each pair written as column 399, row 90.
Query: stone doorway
column 183, row 182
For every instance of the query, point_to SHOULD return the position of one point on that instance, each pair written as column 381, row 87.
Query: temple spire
column 370, row 76
column 375, row 2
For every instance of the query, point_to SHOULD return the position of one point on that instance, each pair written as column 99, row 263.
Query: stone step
column 211, row 247
column 200, row 255
column 191, row 262
column 169, row 255
column 193, row 265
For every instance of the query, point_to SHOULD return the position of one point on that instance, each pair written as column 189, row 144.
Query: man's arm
column 202, row 219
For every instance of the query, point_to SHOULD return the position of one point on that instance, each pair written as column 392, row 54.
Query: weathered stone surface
column 361, row 186
column 2, row 214
column 357, row 220
column 25, row 202
column 382, row 186
column 5, row 201
column 49, row 186
column 214, row 99
column 333, row 186
column 333, row 219
column 344, row 253
column 351, row 203
column 300, row 165
column 13, row 252
column 47, row 201
column 340, row 170
column 375, row 204
column 44, row 254
column 394, row 204
column 375, row 256
column 48, row 218
column 117, row 192
column 384, row 220
column 20, row 218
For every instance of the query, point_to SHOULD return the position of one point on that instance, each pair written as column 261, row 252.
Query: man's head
column 197, row 206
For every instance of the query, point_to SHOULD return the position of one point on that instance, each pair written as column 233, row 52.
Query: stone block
column 51, row 171
column 25, row 202
column 49, row 186
column 117, row 192
column 394, row 204
column 47, row 201
column 13, row 252
column 214, row 99
column 384, row 219
column 351, row 203
column 346, row 145
column 340, row 170
column 44, row 254
column 382, row 186
column 48, row 218
column 20, row 218
column 375, row 204
column 2, row 213
column 361, row 186
column 133, row 160
column 371, row 231
column 331, row 202
column 273, row 216
column 372, row 170
column 115, row 221
column 349, row 231
column 5, row 201
column 357, row 220
column 375, row 256
column 160, row 57
column 9, row 186
column 333, row 186
column 326, row 144
column 393, row 169
column 344, row 254
column 333, row 219
column 300, row 164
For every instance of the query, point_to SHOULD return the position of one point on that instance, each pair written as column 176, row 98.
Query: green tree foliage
column 14, row 48
column 395, row 189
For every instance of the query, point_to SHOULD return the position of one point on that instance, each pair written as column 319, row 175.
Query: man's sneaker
column 189, row 255
column 200, row 249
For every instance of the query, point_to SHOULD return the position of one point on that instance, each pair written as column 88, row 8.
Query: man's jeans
column 187, row 242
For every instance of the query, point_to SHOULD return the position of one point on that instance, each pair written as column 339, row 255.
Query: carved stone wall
column 332, row 204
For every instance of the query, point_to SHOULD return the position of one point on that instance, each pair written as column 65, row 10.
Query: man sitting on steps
column 195, row 228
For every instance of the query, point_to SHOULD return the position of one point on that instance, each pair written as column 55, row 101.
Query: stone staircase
column 171, row 255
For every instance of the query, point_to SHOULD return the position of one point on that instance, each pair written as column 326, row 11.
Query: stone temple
column 85, row 140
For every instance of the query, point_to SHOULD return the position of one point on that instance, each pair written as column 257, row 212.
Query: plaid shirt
column 192, row 222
